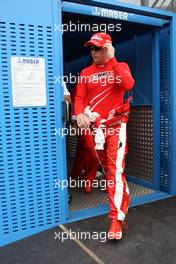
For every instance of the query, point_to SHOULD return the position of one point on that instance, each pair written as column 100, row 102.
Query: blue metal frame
column 61, row 148
column 96, row 11
column 104, row 209
column 88, row 213
column 158, row 18
column 149, row 198
column 156, row 109
column 141, row 182
column 158, row 13
column 172, row 180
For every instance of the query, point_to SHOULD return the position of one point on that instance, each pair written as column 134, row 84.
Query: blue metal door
column 31, row 154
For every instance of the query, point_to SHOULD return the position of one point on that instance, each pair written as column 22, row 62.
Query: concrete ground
column 151, row 239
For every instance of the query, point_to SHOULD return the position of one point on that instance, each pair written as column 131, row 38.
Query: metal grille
column 81, row 200
column 139, row 162
column 28, row 160
column 165, row 122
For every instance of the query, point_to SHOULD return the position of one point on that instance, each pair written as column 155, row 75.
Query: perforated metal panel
column 139, row 162
column 28, row 159
column 165, row 124
column 81, row 200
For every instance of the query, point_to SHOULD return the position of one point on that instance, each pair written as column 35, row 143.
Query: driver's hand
column 110, row 51
column 67, row 98
column 83, row 121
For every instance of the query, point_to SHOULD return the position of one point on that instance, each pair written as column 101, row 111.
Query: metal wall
column 30, row 159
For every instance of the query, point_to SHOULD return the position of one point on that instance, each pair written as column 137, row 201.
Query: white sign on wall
column 110, row 13
column 28, row 81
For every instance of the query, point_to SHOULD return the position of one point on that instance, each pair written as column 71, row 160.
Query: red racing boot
column 115, row 229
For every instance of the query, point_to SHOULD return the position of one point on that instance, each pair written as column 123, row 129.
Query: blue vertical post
column 172, row 180
column 156, row 109
column 58, row 67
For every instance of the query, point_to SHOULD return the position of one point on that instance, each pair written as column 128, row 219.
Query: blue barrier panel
column 31, row 155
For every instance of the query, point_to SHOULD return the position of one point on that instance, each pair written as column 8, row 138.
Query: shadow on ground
column 151, row 239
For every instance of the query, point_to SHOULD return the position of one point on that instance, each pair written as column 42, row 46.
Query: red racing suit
column 86, row 157
column 103, row 88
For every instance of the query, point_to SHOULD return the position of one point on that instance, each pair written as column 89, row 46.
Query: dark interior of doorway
column 130, row 45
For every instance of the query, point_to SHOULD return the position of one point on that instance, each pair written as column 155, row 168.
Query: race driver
column 103, row 85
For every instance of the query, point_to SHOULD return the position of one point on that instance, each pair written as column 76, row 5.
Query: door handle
column 66, row 111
